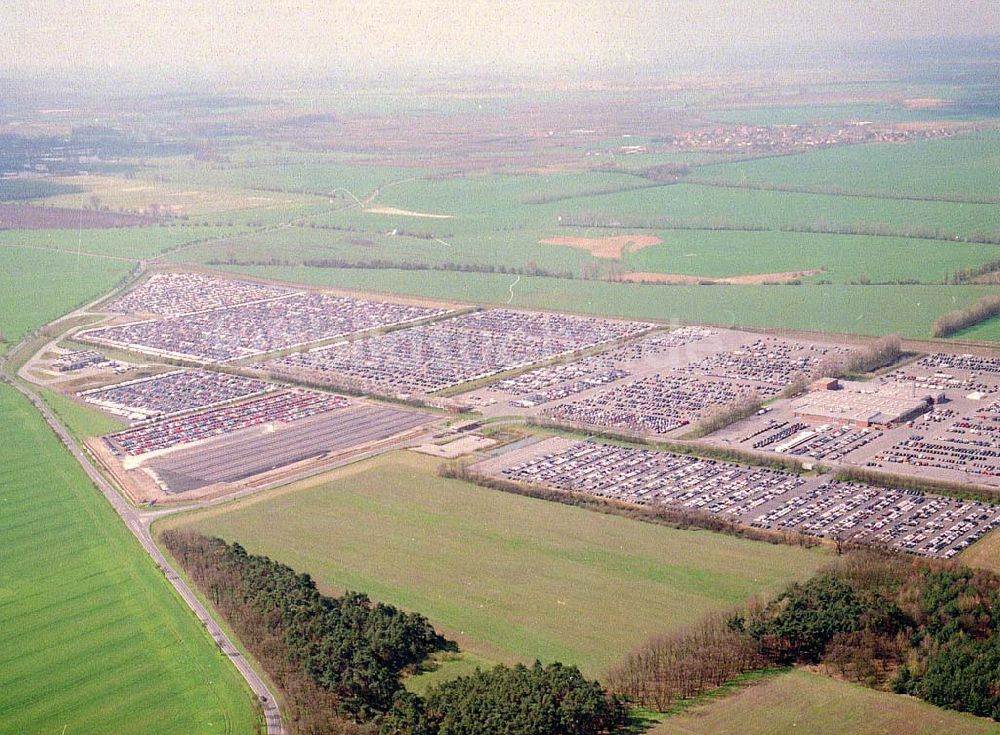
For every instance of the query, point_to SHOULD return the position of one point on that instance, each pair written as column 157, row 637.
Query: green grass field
column 805, row 702
column 687, row 252
column 988, row 331
column 498, row 220
column 495, row 202
column 968, row 165
column 510, row 578
column 125, row 242
column 36, row 286
column 776, row 209
column 985, row 553
column 82, row 420
column 445, row 667
column 512, row 249
column 93, row 640
column 279, row 176
column 876, row 310
column 844, row 257
column 184, row 197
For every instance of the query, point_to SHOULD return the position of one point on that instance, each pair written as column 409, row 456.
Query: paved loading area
column 253, row 451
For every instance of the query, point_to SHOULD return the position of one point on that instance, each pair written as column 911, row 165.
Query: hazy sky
column 308, row 36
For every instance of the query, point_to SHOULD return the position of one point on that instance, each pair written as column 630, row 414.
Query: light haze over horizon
column 123, row 37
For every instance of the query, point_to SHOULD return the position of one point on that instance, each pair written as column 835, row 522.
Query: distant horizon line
column 749, row 58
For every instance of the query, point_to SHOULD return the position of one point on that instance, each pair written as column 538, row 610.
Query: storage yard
column 173, row 294
column 769, row 362
column 447, row 353
column 937, row 417
column 921, row 524
column 255, row 328
column 276, row 408
column 554, row 382
column 174, row 392
column 656, row 405
column 199, row 431
column 662, row 384
column 218, row 449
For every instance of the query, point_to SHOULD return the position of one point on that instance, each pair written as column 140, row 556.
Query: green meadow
column 94, row 640
column 82, row 420
column 874, row 310
column 509, row 577
column 123, row 242
column 965, row 165
column 807, row 702
column 842, row 258
column 987, row 331
column 36, row 286
column 777, row 209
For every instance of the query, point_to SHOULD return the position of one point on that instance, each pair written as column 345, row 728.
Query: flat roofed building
column 864, row 404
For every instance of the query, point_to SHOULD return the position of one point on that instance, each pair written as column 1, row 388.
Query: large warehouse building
column 863, row 404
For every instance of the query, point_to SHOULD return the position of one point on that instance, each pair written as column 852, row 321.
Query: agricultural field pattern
column 583, row 393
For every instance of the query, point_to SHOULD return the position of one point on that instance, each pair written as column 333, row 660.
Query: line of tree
column 719, row 417
column 260, row 262
column 955, row 321
column 528, row 269
column 519, row 700
column 956, row 489
column 956, row 197
column 922, row 627
column 599, row 220
column 335, row 227
column 821, row 227
column 422, row 235
column 555, row 196
column 864, row 279
column 684, row 664
column 727, row 453
column 977, row 274
column 674, row 517
column 339, row 660
column 881, row 353
column 668, row 173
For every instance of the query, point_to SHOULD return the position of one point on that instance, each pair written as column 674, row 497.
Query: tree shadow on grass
column 643, row 720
